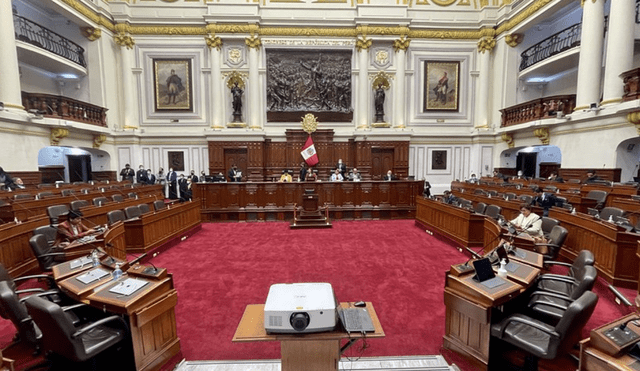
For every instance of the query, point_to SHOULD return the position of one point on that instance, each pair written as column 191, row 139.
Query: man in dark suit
column 127, row 173
column 389, row 176
column 342, row 168
column 449, row 198
column 193, row 177
column 183, row 185
column 555, row 178
column 141, row 175
column 591, row 177
column 303, row 171
column 151, row 179
column 172, row 178
column 234, row 174
column 544, row 200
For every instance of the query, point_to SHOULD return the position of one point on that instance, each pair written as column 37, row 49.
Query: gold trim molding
column 509, row 139
column 486, row 44
column 98, row 140
column 57, row 134
column 92, row 34
column 253, row 42
column 634, row 118
column 401, row 44
column 542, row 134
column 213, row 41
column 513, row 39
column 362, row 43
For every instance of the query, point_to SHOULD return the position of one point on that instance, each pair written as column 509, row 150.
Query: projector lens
column 299, row 321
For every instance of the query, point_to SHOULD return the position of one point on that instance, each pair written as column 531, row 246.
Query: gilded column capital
column 253, row 42
column 401, row 44
column 583, row 1
column 362, row 43
column 513, row 39
column 91, row 33
column 542, row 134
column 634, row 118
column 57, row 134
column 122, row 37
column 213, row 41
column 98, row 140
column 509, row 139
column 486, row 44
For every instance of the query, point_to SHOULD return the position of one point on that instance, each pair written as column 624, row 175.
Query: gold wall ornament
column 253, row 42
column 57, row 134
column 443, row 2
column 509, row 139
column 486, row 44
column 583, row 1
column 542, row 134
column 309, row 123
column 401, row 44
column 98, row 140
column 91, row 33
column 234, row 77
column 634, row 118
column 514, row 39
column 362, row 43
column 123, row 38
column 381, row 78
column 381, row 57
column 213, row 41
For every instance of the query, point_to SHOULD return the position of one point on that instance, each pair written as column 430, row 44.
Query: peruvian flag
column 309, row 152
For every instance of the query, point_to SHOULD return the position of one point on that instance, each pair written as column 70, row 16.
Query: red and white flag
column 309, row 152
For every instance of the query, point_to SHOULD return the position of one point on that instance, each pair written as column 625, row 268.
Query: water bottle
column 117, row 273
column 95, row 261
column 502, row 271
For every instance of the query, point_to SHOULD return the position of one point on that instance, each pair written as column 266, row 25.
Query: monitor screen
column 483, row 268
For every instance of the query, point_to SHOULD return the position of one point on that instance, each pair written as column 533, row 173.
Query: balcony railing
column 539, row 109
column 56, row 106
column 555, row 44
column 34, row 34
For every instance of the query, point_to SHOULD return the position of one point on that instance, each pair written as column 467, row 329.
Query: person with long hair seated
column 72, row 229
column 528, row 222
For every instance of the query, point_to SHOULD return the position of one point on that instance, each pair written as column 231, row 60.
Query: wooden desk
column 309, row 352
column 592, row 359
column 463, row 227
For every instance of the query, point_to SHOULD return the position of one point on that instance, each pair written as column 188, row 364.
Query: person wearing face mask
column 141, row 175
column 151, row 179
column 193, row 177
column 172, row 178
column 161, row 178
column 235, row 175
column 127, row 173
column 183, row 187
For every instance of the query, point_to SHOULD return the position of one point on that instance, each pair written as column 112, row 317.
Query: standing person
column 127, row 173
column 6, row 181
column 341, row 167
column 174, row 87
column 427, row 189
column 193, row 177
column 303, row 171
column 234, row 174
column 544, row 200
column 172, row 178
column 161, row 178
column 183, row 187
column 151, row 179
column 141, row 175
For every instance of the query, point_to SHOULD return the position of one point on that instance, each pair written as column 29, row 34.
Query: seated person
column 336, row 176
column 19, row 183
column 427, row 189
column 555, row 178
column 591, row 177
column 389, row 176
column 449, row 198
column 286, row 177
column 311, row 176
column 473, row 178
column 544, row 200
column 355, row 175
column 528, row 222
column 72, row 229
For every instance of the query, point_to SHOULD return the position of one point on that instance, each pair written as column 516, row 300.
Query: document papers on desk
column 92, row 275
column 80, row 262
column 356, row 320
column 128, row 286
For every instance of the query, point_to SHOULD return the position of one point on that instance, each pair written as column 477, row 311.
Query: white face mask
column 170, row 169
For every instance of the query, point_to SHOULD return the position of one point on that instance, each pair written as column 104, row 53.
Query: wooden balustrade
column 56, row 106
column 631, row 80
column 538, row 109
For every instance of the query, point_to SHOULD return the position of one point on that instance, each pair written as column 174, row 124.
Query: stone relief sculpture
column 307, row 81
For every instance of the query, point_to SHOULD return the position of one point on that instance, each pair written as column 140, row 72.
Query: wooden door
column 237, row 156
column 381, row 162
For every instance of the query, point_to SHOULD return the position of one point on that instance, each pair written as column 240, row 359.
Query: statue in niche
column 379, row 103
column 236, row 93
column 303, row 81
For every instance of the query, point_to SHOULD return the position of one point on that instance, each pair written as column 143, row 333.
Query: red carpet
column 393, row 264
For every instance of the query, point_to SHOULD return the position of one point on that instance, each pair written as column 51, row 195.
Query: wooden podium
column 310, row 216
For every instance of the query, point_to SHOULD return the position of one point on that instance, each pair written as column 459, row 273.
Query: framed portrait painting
column 172, row 85
column 441, row 86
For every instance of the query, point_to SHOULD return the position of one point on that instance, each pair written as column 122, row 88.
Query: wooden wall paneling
column 31, row 178
column 216, row 158
column 255, row 161
column 104, row 175
column 605, row 174
column 51, row 174
column 363, row 159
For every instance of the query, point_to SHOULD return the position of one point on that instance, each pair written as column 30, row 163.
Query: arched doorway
column 71, row 164
column 534, row 161
column 628, row 159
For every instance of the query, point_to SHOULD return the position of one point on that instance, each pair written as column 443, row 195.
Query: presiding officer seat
column 541, row 340
column 75, row 343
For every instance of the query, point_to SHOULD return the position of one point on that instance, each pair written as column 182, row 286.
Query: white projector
column 296, row 308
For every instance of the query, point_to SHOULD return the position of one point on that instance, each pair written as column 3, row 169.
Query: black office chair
column 551, row 249
column 544, row 341
column 23, row 196
column 132, row 212
column 611, row 213
column 550, row 306
column 479, row 191
column 599, row 196
column 78, row 204
column 76, row 343
column 46, row 255
column 45, row 194
column 545, row 281
column 117, row 198
column 132, row 194
column 144, row 208
column 510, row 196
column 115, row 216
column 49, row 232
column 493, row 211
column 548, row 224
column 85, row 191
column 526, row 199
column 54, row 212
column 15, row 311
column 550, row 188
column 99, row 201
column 67, row 192
column 159, row 205
column 480, row 207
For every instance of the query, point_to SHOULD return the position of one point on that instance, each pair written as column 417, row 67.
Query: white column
column 9, row 73
column 590, row 62
column 363, row 88
column 399, row 103
column 254, row 106
column 484, row 59
column 619, row 48
column 217, row 89
column 129, row 97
